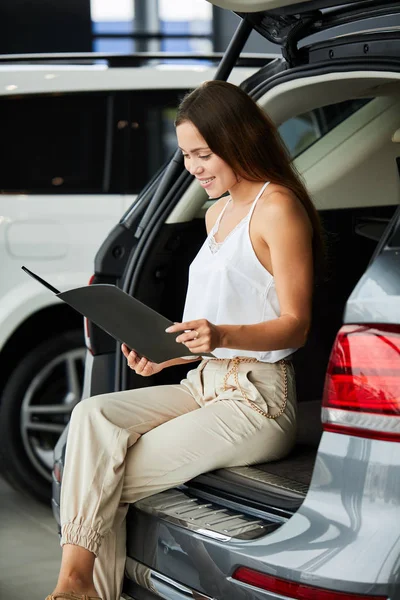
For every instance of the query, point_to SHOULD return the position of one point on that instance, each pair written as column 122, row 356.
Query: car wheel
column 35, row 408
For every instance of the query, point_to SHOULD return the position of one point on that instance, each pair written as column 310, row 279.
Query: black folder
column 123, row 317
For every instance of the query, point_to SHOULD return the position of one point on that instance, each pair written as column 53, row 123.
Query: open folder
column 125, row 318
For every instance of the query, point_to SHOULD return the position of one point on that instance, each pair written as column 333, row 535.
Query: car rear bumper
column 344, row 537
column 140, row 582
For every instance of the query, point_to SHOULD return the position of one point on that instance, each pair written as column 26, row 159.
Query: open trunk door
column 287, row 22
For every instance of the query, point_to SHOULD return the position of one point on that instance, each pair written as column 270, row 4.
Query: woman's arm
column 286, row 236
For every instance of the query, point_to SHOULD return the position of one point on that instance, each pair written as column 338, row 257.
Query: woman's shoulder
column 279, row 207
column 214, row 211
column 276, row 194
column 280, row 201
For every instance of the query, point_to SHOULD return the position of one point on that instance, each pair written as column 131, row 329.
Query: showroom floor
column 29, row 548
column 30, row 553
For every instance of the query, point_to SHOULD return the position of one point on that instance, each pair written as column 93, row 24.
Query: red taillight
column 292, row 589
column 362, row 386
column 58, row 471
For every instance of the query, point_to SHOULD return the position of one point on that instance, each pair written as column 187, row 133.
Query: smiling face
column 211, row 171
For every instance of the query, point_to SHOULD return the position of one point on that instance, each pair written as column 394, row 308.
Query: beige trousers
column 125, row 446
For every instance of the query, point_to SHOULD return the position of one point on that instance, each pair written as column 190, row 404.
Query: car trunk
column 282, row 484
column 279, row 484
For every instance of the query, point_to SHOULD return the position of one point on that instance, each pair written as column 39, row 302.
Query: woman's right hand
column 139, row 364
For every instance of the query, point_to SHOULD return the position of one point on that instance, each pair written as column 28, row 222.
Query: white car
column 82, row 134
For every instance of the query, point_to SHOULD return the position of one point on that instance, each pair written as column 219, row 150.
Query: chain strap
column 234, row 371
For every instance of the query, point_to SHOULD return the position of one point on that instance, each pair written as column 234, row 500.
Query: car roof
column 50, row 73
column 135, row 59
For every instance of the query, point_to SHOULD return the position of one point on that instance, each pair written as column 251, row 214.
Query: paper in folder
column 123, row 317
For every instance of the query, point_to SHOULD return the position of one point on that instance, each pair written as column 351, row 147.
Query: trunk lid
column 291, row 6
column 287, row 22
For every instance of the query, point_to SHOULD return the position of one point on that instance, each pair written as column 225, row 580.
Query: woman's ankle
column 76, row 573
column 74, row 583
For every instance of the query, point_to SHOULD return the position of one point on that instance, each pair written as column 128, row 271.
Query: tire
column 35, row 408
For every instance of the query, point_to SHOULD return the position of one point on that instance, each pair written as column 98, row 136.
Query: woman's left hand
column 199, row 336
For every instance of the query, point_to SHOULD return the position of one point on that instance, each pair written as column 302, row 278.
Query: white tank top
column 228, row 285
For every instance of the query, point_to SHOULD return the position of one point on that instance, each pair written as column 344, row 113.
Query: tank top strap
column 216, row 224
column 260, row 193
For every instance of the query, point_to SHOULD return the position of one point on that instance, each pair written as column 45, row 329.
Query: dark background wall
column 45, row 26
column 40, row 26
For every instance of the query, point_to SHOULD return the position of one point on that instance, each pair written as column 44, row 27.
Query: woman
column 248, row 302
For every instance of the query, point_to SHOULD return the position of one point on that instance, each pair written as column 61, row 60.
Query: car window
column 151, row 139
column 302, row 131
column 86, row 143
column 54, row 143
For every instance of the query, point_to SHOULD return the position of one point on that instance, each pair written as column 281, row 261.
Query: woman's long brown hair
column 237, row 130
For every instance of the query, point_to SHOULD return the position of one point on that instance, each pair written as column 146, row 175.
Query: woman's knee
column 89, row 407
